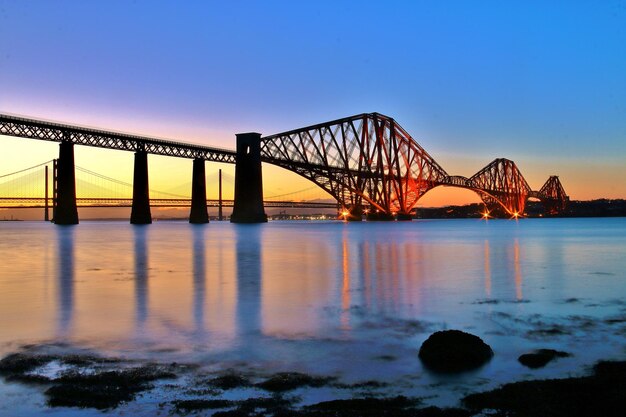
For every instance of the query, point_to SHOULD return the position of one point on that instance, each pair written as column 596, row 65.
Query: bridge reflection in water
column 240, row 287
column 141, row 277
column 199, row 278
column 280, row 287
column 66, row 281
column 248, row 253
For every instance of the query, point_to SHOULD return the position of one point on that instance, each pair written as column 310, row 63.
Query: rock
column 186, row 406
column 20, row 363
column 229, row 381
column 366, row 404
column 286, row 381
column 600, row 394
column 454, row 351
column 102, row 390
column 541, row 357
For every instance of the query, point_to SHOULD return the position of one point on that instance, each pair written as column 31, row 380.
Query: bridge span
column 363, row 161
column 112, row 202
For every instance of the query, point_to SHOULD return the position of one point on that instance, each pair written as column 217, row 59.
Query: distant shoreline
column 534, row 209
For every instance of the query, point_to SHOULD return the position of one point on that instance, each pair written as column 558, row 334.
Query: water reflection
column 141, row 276
column 518, row 270
column 554, row 258
column 380, row 275
column 65, row 278
column 249, row 277
column 280, row 296
column 487, row 268
column 366, row 273
column 199, row 276
column 345, row 283
column 502, row 269
column 387, row 271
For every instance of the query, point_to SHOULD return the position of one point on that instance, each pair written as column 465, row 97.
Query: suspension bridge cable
column 26, row 169
column 293, row 192
column 127, row 184
column 104, row 177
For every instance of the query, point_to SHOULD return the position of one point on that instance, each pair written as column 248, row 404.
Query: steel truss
column 502, row 187
column 501, row 183
column 363, row 159
column 55, row 132
column 553, row 196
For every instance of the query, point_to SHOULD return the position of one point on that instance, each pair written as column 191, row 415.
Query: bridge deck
column 40, row 202
column 57, row 132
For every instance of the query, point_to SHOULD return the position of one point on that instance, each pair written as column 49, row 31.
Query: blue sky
column 542, row 83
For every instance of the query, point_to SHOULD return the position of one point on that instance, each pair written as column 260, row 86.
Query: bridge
column 103, row 202
column 368, row 163
column 28, row 188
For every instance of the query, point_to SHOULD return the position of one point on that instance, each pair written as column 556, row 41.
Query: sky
column 541, row 83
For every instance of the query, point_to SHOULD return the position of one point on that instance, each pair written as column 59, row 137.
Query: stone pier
column 140, row 213
column 248, row 205
column 198, row 213
column 65, row 210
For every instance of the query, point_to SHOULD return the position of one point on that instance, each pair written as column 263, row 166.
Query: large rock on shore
column 454, row 351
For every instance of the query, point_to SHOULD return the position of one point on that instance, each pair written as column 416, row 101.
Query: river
column 349, row 300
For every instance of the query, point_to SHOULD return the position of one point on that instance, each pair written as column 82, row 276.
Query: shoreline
column 84, row 380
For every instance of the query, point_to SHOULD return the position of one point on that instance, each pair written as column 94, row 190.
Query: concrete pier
column 45, row 213
column 220, row 216
column 140, row 213
column 355, row 213
column 379, row 216
column 198, row 213
column 248, row 205
column 65, row 210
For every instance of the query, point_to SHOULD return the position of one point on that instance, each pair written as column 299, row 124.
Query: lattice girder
column 56, row 132
column 502, row 182
column 553, row 196
column 367, row 159
column 368, row 155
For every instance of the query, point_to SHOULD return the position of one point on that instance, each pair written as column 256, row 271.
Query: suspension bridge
column 31, row 188
column 368, row 163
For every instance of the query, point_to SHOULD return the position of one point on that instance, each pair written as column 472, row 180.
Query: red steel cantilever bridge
column 369, row 159
column 366, row 162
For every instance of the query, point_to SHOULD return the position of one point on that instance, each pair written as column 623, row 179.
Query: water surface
column 350, row 300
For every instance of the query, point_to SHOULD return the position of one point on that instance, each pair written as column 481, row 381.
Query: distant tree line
column 592, row 208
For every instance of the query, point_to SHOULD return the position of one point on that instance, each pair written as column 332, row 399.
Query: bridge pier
column 377, row 216
column 248, row 204
column 198, row 213
column 65, row 210
column 140, row 212
column 551, row 207
column 45, row 214
column 404, row 217
column 219, row 208
column 355, row 213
